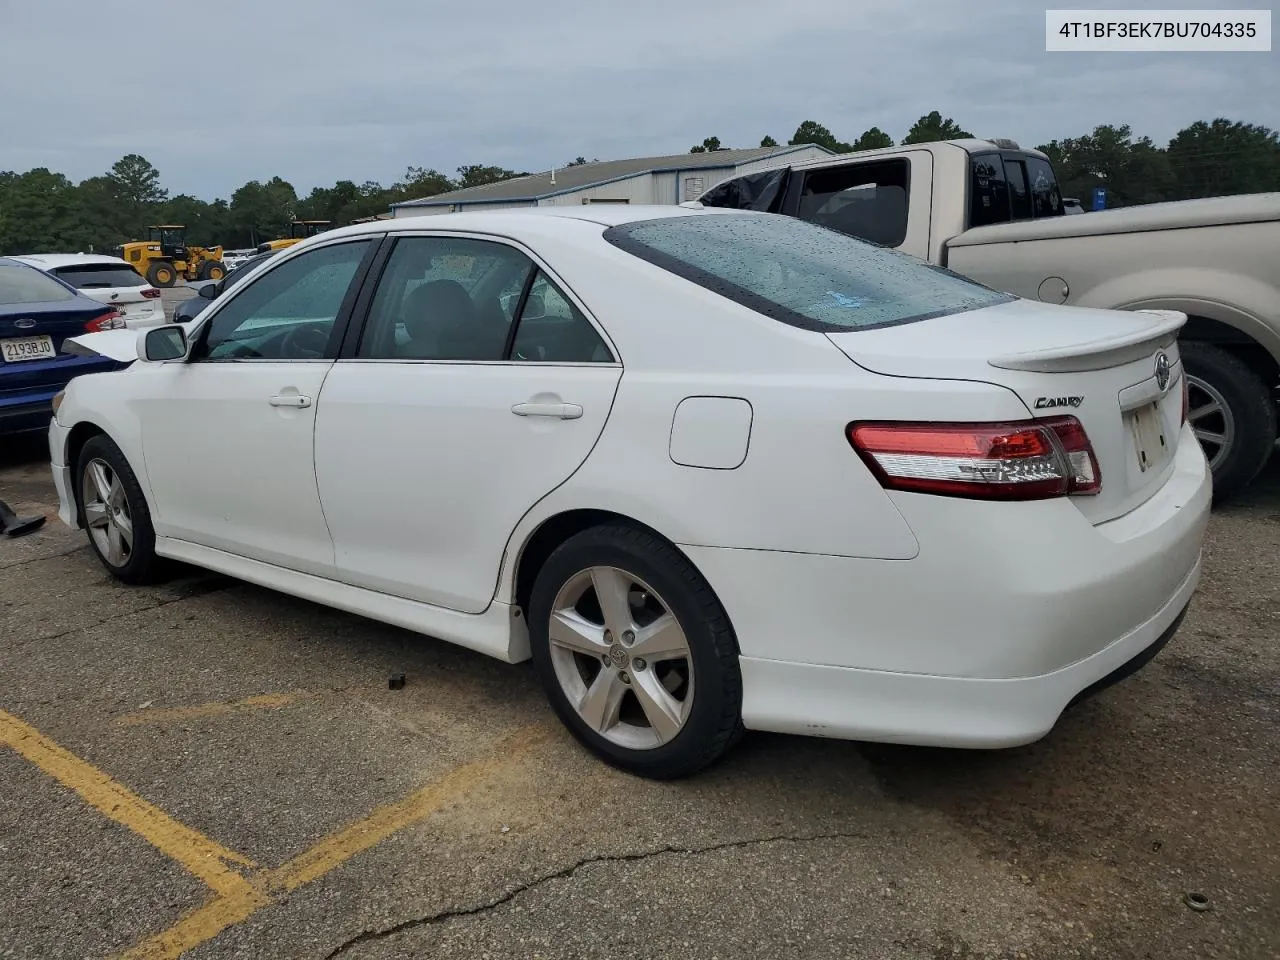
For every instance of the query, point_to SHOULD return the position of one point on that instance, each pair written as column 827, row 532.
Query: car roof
column 541, row 221
column 52, row 260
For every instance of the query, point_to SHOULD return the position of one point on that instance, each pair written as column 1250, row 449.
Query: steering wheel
column 306, row 341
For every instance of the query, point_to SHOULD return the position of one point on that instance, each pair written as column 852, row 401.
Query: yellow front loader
column 164, row 257
column 299, row 230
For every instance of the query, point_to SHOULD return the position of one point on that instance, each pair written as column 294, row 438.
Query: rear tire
column 161, row 274
column 115, row 512
column 1232, row 413
column 670, row 697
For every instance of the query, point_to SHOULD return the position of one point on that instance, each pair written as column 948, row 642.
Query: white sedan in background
column 709, row 469
column 109, row 280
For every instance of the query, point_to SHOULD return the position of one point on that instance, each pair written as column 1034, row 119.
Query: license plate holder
column 18, row 349
column 1150, row 445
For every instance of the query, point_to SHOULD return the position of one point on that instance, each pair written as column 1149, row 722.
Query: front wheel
column 635, row 653
column 161, row 274
column 115, row 512
column 1232, row 414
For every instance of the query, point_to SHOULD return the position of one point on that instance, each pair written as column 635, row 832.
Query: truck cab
column 906, row 197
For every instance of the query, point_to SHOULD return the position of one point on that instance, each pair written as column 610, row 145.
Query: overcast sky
column 320, row 90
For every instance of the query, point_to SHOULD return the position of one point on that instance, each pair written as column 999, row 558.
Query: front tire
column 161, row 274
column 212, row 270
column 1232, row 414
column 636, row 654
column 115, row 512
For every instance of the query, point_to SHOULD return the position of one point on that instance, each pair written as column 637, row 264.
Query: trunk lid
column 59, row 321
column 1102, row 367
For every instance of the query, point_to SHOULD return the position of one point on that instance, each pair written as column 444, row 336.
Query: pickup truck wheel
column 1232, row 414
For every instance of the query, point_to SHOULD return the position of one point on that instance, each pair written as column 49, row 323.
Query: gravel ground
column 453, row 818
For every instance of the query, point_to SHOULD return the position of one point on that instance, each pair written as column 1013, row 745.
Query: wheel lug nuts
column 628, row 637
column 608, row 636
column 638, row 663
column 625, row 678
column 604, row 658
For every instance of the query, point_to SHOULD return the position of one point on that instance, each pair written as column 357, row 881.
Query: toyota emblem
column 1162, row 370
column 26, row 323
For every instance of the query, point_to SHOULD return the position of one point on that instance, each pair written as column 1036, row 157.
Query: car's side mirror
column 209, row 291
column 164, row 343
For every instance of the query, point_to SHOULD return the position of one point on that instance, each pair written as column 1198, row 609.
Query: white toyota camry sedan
column 710, row 470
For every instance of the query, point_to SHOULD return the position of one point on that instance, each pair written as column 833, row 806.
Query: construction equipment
column 165, row 256
column 299, row 230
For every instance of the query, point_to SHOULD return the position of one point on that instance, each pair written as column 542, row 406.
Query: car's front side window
column 287, row 313
column 445, row 298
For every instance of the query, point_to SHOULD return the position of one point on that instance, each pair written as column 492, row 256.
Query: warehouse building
column 667, row 180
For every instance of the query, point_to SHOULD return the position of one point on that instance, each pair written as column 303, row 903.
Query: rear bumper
column 852, row 704
column 1006, row 614
column 26, row 416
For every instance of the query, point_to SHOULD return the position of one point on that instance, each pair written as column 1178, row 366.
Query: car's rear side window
column 800, row 273
column 91, row 276
column 29, row 285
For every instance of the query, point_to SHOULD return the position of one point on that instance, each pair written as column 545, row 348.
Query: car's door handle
column 290, row 400
column 561, row 411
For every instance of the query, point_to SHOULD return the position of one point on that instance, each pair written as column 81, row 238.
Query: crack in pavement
column 433, row 919
column 51, row 556
column 191, row 595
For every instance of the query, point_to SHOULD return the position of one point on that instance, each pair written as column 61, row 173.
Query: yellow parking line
column 225, row 910
column 264, row 701
column 204, row 858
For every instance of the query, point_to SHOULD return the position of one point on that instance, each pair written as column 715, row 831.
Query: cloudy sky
column 320, row 90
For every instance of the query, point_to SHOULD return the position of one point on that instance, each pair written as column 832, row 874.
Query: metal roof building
column 671, row 179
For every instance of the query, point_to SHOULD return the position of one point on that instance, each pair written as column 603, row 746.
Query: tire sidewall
column 1251, row 407
column 706, row 636
column 142, row 553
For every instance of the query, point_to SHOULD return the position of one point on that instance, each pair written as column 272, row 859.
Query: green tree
column 873, row 139
column 580, row 161
column 136, row 180
column 709, row 145
column 476, row 175
column 262, row 211
column 932, row 127
column 810, row 131
column 768, row 141
column 1132, row 172
column 41, row 214
column 423, row 182
column 1224, row 157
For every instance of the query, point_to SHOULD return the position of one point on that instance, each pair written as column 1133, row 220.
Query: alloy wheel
column 106, row 512
column 621, row 658
column 1211, row 420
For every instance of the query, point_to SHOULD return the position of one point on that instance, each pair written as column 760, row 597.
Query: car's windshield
column 28, row 285
column 87, row 276
column 801, row 273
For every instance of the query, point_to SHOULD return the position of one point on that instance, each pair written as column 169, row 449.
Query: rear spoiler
column 1100, row 354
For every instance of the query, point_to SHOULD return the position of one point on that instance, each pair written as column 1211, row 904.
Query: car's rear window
column 801, row 273
column 91, row 276
column 29, row 285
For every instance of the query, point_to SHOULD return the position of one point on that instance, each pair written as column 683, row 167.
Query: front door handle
column 290, row 400
column 561, row 411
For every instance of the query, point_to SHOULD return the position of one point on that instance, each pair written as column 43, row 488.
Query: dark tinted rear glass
column 800, row 273
column 1045, row 198
column 90, row 276
column 28, row 285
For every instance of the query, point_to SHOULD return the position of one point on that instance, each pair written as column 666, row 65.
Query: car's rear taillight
column 111, row 320
column 151, row 293
column 1023, row 460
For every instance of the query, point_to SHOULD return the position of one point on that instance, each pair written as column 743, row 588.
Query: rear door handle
column 561, row 411
column 290, row 400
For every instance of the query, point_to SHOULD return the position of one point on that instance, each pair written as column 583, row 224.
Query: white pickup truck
column 992, row 211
